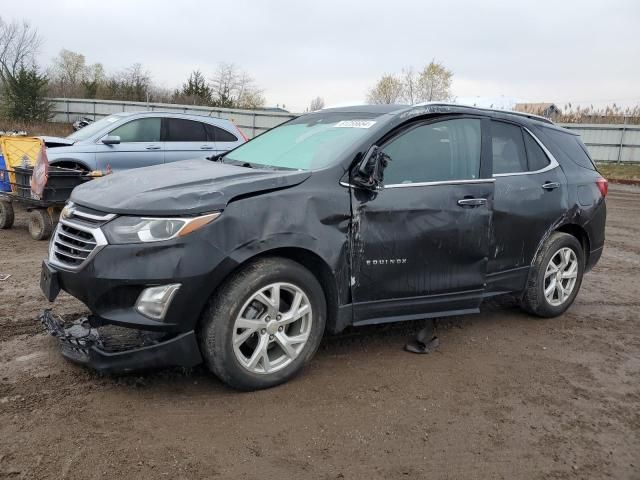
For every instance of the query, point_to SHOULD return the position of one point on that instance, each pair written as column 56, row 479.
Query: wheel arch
column 70, row 163
column 312, row 262
column 581, row 234
column 572, row 229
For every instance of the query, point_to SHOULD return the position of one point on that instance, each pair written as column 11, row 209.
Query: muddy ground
column 506, row 396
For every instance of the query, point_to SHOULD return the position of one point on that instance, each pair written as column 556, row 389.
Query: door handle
column 472, row 202
column 153, row 147
column 550, row 185
column 206, row 147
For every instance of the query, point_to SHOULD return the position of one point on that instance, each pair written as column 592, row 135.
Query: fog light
column 154, row 302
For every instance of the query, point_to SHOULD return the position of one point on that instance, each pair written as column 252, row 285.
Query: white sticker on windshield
column 112, row 119
column 355, row 124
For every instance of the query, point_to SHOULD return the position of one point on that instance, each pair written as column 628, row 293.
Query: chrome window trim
column 101, row 242
column 441, row 182
column 553, row 163
column 427, row 184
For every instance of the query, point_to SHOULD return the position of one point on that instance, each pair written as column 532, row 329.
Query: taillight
column 603, row 186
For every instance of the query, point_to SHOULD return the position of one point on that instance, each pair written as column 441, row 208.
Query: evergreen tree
column 195, row 90
column 25, row 96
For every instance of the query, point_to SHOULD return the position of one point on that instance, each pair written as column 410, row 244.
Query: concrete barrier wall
column 609, row 142
column 252, row 122
column 605, row 142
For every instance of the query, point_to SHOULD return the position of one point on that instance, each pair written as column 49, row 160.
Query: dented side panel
column 417, row 243
column 524, row 213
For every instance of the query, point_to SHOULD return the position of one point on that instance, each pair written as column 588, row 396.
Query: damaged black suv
column 342, row 217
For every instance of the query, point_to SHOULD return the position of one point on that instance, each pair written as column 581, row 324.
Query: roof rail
column 509, row 112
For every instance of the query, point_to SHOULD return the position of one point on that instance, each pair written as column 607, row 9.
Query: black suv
column 348, row 216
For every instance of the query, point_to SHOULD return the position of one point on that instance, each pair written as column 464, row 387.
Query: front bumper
column 111, row 282
column 120, row 350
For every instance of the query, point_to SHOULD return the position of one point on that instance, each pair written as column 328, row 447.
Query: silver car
column 131, row 140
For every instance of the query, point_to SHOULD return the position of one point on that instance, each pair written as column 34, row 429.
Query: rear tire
column 40, row 225
column 555, row 277
column 7, row 215
column 248, row 336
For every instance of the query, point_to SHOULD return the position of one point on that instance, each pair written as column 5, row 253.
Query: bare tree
column 434, row 83
column 248, row 95
column 134, row 83
column 19, row 43
column 67, row 73
column 137, row 82
column 232, row 87
column 251, row 99
column 224, row 83
column 389, row 89
column 94, row 80
column 410, row 85
column 316, row 104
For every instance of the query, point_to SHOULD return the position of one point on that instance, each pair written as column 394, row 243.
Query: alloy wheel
column 272, row 328
column 560, row 276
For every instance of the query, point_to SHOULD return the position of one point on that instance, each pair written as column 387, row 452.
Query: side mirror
column 369, row 172
column 111, row 140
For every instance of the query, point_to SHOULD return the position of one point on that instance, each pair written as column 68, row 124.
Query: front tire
column 555, row 277
column 263, row 325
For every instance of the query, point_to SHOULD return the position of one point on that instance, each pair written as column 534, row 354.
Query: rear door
column 420, row 245
column 530, row 197
column 139, row 146
column 185, row 139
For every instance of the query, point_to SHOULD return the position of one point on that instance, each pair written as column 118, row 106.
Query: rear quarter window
column 567, row 145
column 217, row 134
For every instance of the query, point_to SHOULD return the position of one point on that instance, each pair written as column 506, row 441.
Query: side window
column 508, row 148
column 568, row 145
column 180, row 130
column 141, row 130
column 447, row 150
column 217, row 134
column 536, row 157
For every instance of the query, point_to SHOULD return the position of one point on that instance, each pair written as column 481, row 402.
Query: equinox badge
column 387, row 261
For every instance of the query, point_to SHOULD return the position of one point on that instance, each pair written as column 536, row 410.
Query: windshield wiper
column 217, row 158
column 240, row 163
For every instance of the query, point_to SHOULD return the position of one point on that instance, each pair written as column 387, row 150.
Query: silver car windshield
column 93, row 128
column 309, row 142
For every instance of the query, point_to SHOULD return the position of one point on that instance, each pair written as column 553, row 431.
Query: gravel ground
column 506, row 396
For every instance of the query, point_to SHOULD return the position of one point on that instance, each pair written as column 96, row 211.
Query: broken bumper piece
column 112, row 349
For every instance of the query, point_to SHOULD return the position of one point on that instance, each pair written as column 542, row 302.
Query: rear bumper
column 594, row 257
column 105, row 352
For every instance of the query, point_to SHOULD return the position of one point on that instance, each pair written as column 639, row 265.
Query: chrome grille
column 71, row 245
column 78, row 237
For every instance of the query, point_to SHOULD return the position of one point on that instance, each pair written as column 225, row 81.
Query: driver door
column 139, row 146
column 420, row 245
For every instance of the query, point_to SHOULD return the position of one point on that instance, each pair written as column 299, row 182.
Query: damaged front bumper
column 112, row 349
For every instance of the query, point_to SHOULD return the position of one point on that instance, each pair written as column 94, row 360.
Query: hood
column 180, row 188
column 51, row 142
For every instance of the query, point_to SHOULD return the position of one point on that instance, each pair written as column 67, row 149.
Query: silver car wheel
column 560, row 276
column 272, row 328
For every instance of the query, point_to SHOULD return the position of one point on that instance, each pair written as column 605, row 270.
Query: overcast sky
column 580, row 51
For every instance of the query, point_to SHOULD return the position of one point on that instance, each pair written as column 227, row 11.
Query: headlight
column 149, row 229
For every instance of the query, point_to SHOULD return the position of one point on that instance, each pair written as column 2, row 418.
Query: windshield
column 309, row 142
column 93, row 128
